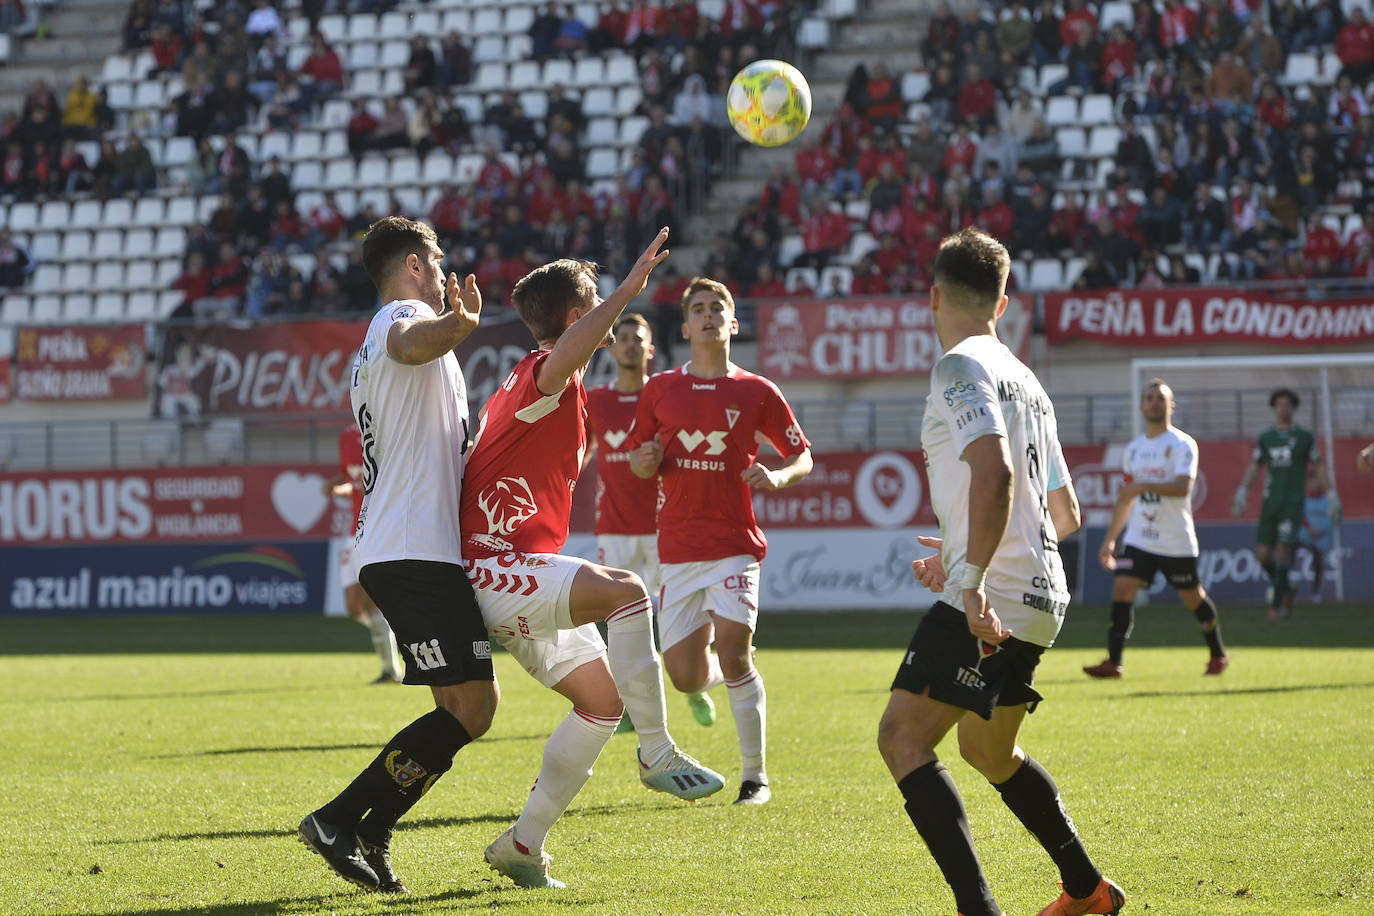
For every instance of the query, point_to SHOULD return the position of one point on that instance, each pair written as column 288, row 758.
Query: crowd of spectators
column 1217, row 156
column 231, row 60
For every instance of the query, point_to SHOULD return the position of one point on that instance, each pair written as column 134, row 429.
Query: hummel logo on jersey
column 427, row 655
column 731, row 416
column 690, row 440
column 615, row 437
column 696, row 387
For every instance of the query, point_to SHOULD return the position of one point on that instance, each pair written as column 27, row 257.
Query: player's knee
column 896, row 738
column 629, row 587
column 474, row 710
column 687, row 678
column 990, row 761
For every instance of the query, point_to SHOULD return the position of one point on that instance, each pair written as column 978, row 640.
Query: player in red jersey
column 626, row 536
column 543, row 607
column 348, row 484
column 699, row 429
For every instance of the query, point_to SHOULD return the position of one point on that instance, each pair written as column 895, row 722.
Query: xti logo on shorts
column 427, row 655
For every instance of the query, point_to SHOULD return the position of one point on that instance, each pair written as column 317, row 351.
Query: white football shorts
column 524, row 598
column 692, row 592
column 348, row 564
column 636, row 552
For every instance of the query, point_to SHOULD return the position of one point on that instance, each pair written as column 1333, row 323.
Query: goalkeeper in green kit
column 1286, row 449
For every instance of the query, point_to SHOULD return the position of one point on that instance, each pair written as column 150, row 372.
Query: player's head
column 970, row 274
column 551, row 297
column 1283, row 401
column 708, row 312
column 404, row 260
column 633, row 347
column 1157, row 401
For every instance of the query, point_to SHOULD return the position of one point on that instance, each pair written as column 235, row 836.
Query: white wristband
column 973, row 577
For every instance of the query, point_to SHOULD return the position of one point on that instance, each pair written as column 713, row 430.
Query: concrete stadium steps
column 81, row 34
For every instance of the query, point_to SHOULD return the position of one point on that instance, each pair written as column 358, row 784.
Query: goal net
column 1227, row 398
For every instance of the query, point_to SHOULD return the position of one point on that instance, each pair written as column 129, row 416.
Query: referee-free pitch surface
column 159, row 765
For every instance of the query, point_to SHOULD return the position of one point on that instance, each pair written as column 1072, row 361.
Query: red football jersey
column 519, row 478
column 711, row 430
column 624, row 502
column 351, row 466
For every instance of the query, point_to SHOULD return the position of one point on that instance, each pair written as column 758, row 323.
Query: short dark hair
column 1284, row 393
column 389, row 241
column 635, row 319
column 976, row 263
column 697, row 284
column 544, row 296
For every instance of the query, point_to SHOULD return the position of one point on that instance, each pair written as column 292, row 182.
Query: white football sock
column 569, row 754
column 384, row 644
column 749, row 704
column 714, row 676
column 639, row 676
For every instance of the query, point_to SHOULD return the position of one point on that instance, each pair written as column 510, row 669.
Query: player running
column 543, row 607
column 1155, row 509
column 626, row 505
column 1286, row 448
column 348, row 483
column 699, row 428
column 1004, row 500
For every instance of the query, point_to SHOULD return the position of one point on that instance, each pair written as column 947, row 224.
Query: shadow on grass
column 1164, row 623
column 1240, row 691
column 324, row 903
column 291, row 749
column 178, row 695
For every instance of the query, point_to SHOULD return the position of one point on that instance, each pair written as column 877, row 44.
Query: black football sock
column 1270, row 570
column 1119, row 630
column 1206, row 614
column 392, row 783
column 1034, row 798
column 934, row 806
column 1281, row 586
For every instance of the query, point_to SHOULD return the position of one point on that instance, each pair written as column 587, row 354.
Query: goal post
column 1317, row 372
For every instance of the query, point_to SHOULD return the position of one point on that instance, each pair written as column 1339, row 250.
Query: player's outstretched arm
column 416, row 341
column 1243, row 492
column 1121, row 512
column 577, row 344
column 792, row 471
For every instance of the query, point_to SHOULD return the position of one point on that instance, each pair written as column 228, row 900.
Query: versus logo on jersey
column 715, row 440
column 615, row 438
column 507, row 504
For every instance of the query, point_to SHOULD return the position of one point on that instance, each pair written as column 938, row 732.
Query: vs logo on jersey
column 615, row 438
column 715, row 440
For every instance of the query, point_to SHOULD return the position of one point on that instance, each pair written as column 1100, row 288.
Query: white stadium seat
column 109, row 243
column 1061, row 111
column 1046, row 274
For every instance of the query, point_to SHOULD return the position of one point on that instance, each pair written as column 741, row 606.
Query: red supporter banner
column 862, row 338
column 80, row 364
column 299, row 366
column 171, row 505
column 1161, row 317
column 1097, row 476
column 883, row 490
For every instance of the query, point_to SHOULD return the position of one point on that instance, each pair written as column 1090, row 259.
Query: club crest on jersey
column 731, row 416
column 507, row 504
column 615, row 438
column 402, row 311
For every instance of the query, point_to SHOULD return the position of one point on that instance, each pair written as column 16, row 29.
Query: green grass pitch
column 160, row 765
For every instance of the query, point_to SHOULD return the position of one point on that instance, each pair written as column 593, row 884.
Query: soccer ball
column 769, row 102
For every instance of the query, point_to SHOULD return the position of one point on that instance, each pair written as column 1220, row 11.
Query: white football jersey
column 979, row 388
column 414, row 421
column 1161, row 525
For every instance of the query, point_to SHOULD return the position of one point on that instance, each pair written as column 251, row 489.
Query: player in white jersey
column 410, row 402
column 1154, row 506
column 1002, row 494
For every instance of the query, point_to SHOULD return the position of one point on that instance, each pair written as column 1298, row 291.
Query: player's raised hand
column 759, row 477
column 638, row 276
column 1238, row 502
column 465, row 300
column 1107, row 555
column 645, row 459
column 983, row 621
column 930, row 571
column 1365, row 460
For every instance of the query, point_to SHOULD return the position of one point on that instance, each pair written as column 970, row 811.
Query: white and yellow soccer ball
column 769, row 102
